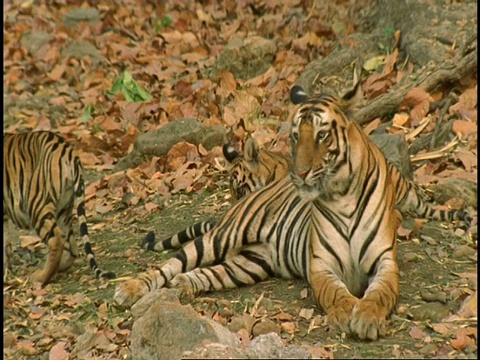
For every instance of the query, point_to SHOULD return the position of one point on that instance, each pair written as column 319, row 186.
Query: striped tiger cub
column 42, row 183
column 250, row 171
column 331, row 222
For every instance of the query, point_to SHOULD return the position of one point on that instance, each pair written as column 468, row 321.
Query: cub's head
column 318, row 141
column 254, row 168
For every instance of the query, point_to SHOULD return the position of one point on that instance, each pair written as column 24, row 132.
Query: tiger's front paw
column 182, row 282
column 339, row 315
column 129, row 292
column 368, row 320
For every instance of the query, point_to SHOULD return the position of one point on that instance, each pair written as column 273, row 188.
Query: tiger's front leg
column 370, row 313
column 333, row 297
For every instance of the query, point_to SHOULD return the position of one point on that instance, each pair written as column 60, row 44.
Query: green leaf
column 87, row 114
column 129, row 88
column 166, row 21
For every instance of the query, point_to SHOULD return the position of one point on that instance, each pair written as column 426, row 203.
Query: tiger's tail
column 409, row 200
column 179, row 239
column 82, row 220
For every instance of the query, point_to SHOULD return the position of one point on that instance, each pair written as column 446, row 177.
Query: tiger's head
column 318, row 143
column 254, row 168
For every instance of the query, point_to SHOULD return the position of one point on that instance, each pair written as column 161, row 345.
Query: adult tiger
column 251, row 170
column 332, row 222
column 42, row 183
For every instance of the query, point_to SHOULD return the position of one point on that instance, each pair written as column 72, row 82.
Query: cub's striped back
column 254, row 168
column 42, row 183
column 251, row 170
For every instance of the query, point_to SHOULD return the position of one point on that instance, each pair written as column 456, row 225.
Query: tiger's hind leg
column 70, row 252
column 55, row 241
column 250, row 266
column 201, row 252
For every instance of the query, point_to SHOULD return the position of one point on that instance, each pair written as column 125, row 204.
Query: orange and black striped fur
column 42, row 183
column 331, row 222
column 251, row 170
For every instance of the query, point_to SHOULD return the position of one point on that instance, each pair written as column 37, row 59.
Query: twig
column 437, row 153
column 449, row 72
column 448, row 102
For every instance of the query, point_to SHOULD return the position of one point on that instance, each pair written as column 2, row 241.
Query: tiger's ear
column 230, row 153
column 251, row 149
column 298, row 95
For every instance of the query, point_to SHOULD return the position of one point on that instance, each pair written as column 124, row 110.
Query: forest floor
column 101, row 73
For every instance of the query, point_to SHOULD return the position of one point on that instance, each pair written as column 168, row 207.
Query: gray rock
column 215, row 351
column 449, row 188
column 159, row 142
column 74, row 16
column 270, row 346
column 433, row 311
column 79, row 49
column 246, row 58
column 395, row 149
column 167, row 329
column 266, row 346
column 34, row 40
column 164, row 294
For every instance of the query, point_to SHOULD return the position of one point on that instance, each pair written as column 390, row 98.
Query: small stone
column 409, row 256
column 265, row 327
column 463, row 252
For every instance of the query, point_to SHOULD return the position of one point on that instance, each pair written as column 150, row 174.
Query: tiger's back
column 43, row 183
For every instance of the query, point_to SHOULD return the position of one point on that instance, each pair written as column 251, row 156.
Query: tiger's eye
column 321, row 135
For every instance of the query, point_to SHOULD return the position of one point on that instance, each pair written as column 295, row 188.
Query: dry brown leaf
column 464, row 128
column 26, row 347
column 58, row 352
column 463, row 340
column 469, row 307
column 283, row 317
column 306, row 313
column 441, row 328
column 227, row 84
column 390, row 62
column 57, row 72
column 180, row 153
column 304, row 293
column 320, row 352
column 288, row 327
column 401, row 119
column 415, row 96
column 417, row 333
column 468, row 159
column 151, row 206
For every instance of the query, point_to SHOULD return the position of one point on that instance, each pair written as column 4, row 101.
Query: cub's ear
column 298, row 95
column 229, row 152
column 251, row 150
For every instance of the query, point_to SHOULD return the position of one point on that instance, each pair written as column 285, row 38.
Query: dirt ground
column 433, row 285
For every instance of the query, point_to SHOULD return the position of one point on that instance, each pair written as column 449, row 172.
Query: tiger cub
column 42, row 183
column 331, row 222
column 250, row 171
